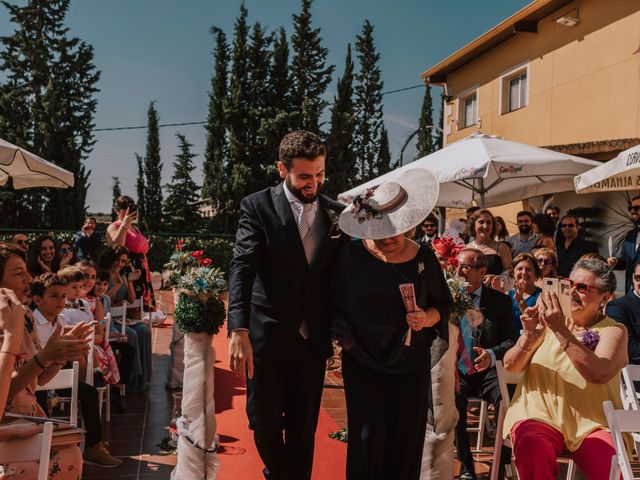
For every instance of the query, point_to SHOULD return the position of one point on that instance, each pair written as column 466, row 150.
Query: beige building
column 559, row 74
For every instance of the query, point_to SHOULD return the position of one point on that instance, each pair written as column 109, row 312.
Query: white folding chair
column 102, row 391
column 67, row 378
column 508, row 378
column 630, row 374
column 621, row 421
column 482, row 420
column 36, row 448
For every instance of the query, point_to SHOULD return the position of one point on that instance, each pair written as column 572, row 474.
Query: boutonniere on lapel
column 334, row 227
column 420, row 267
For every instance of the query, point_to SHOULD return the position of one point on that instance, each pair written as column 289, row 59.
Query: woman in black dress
column 385, row 349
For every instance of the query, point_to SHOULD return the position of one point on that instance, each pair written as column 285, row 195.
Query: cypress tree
column 153, row 173
column 181, row 205
column 341, row 159
column 426, row 143
column 383, row 160
column 368, row 105
column 310, row 75
column 439, row 140
column 115, row 194
column 142, row 213
column 47, row 106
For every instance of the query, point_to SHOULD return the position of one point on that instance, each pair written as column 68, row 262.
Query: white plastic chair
column 630, row 374
column 482, row 420
column 36, row 448
column 621, row 421
column 67, row 378
column 508, row 378
column 102, row 391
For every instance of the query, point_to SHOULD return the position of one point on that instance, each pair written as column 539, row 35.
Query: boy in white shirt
column 76, row 310
column 49, row 294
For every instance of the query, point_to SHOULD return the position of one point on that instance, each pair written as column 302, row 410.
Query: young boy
column 76, row 309
column 49, row 294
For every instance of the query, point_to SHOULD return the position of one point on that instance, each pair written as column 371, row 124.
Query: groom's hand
column 241, row 353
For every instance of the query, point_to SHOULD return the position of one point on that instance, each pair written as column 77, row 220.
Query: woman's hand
column 129, row 218
column 134, row 275
column 551, row 313
column 66, row 259
column 43, row 266
column 519, row 289
column 422, row 318
column 532, row 325
column 11, row 321
column 19, row 429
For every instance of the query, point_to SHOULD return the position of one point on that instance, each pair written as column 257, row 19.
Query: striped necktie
column 303, row 218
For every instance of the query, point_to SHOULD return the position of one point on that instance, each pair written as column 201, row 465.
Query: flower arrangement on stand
column 199, row 313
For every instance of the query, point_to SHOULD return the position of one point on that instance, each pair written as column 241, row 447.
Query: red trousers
column 536, row 447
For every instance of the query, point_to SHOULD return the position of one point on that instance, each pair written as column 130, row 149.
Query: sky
column 161, row 50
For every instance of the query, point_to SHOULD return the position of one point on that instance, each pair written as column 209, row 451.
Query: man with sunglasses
column 573, row 247
column 626, row 310
column 22, row 241
column 429, row 229
column 630, row 251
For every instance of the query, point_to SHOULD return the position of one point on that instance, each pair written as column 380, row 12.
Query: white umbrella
column 492, row 170
column 28, row 170
column 619, row 173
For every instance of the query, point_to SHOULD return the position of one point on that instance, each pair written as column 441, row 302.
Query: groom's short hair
column 300, row 144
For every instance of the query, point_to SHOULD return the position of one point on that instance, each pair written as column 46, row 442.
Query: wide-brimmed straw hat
column 393, row 208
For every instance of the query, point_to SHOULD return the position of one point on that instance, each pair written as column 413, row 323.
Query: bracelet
column 35, row 357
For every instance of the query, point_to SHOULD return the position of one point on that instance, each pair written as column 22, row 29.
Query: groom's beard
column 297, row 192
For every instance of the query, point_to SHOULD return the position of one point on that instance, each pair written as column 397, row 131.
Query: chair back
column 67, row 378
column 621, row 421
column 36, row 448
column 505, row 378
column 92, row 345
column 630, row 374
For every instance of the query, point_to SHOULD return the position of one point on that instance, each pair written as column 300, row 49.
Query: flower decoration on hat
column 361, row 209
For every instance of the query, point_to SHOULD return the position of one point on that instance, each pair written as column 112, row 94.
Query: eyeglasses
column 634, row 208
column 428, row 225
column 22, row 242
column 547, row 262
column 567, row 225
column 464, row 266
column 636, row 277
column 581, row 287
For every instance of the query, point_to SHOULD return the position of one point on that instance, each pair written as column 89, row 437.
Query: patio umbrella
column 619, row 173
column 492, row 171
column 28, row 170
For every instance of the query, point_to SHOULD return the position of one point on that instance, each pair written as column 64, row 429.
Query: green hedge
column 161, row 246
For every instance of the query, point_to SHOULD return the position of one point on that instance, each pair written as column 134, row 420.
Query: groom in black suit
column 284, row 266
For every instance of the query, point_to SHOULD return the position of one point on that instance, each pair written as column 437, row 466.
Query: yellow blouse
column 553, row 392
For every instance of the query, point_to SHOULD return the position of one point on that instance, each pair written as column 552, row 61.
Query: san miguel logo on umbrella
column 510, row 169
column 470, row 172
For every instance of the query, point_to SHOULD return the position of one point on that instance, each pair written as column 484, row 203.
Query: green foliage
column 426, row 142
column 309, row 74
column 153, row 174
column 439, row 138
column 47, row 106
column 218, row 249
column 368, row 105
column 115, row 193
column 196, row 316
column 383, row 161
column 140, row 182
column 181, row 213
column 341, row 159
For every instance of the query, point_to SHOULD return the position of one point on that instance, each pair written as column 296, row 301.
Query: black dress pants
column 283, row 403
column 483, row 385
column 387, row 420
column 126, row 355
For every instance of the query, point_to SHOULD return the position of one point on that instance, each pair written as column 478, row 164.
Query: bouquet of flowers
column 447, row 250
column 198, row 285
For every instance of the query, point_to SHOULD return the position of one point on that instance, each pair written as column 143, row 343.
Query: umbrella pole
column 482, row 192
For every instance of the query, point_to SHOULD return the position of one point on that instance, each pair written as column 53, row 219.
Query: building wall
column 583, row 81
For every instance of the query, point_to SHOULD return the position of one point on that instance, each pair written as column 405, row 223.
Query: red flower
column 205, row 262
column 448, row 249
column 179, row 245
column 197, row 254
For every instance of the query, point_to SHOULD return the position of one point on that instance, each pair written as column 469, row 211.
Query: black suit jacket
column 628, row 257
column 498, row 333
column 626, row 310
column 272, row 288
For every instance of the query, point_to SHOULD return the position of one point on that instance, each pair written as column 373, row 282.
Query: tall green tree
column 426, row 143
column 140, row 182
column 383, row 160
column 153, row 173
column 439, row 140
column 181, row 212
column 341, row 158
column 216, row 170
column 47, row 105
column 368, row 104
column 310, row 75
column 116, row 192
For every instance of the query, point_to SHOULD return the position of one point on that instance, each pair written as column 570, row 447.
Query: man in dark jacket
column 626, row 310
column 573, row 247
column 630, row 250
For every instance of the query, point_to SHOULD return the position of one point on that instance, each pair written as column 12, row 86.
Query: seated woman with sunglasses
column 570, row 365
column 547, row 260
column 525, row 293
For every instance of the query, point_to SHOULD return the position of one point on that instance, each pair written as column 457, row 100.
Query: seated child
column 76, row 309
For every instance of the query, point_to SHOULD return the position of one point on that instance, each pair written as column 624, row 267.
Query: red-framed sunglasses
column 581, row 287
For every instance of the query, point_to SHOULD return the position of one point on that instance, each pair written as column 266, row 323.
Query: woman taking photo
column 570, row 367
column 125, row 233
column 385, row 356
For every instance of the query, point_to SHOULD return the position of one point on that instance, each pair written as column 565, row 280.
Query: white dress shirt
column 296, row 206
column 44, row 328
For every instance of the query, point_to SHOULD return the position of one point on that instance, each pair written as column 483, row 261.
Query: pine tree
column 309, row 73
column 115, row 194
column 368, row 105
column 383, row 160
column 153, row 173
column 181, row 205
column 216, row 164
column 341, row 159
column 140, row 191
column 426, row 143
column 439, row 138
column 47, row 106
